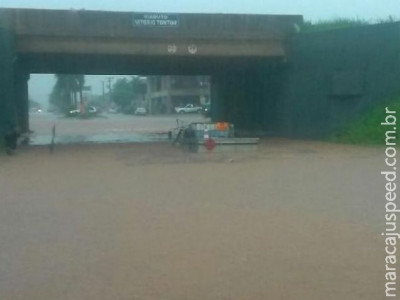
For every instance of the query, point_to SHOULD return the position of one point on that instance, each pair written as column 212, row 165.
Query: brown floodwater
column 295, row 220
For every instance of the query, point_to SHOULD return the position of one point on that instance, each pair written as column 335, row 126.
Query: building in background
column 166, row 92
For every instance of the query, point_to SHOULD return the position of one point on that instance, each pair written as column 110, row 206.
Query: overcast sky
column 313, row 10
column 310, row 9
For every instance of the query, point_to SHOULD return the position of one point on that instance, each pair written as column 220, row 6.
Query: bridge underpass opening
column 244, row 92
column 117, row 108
column 241, row 90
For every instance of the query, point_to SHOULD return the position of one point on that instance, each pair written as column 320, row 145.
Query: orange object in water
column 222, row 126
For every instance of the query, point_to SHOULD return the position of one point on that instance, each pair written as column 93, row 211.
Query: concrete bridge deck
column 149, row 34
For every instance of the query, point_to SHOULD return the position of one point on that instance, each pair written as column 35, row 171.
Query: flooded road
column 105, row 128
column 296, row 220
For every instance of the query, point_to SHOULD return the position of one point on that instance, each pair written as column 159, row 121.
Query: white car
column 91, row 110
column 141, row 111
column 189, row 108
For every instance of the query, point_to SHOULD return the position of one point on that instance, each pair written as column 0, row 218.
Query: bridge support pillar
column 7, row 61
column 217, row 104
column 247, row 97
column 22, row 100
column 235, row 98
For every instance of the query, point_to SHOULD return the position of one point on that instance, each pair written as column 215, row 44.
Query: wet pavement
column 106, row 128
column 40, row 140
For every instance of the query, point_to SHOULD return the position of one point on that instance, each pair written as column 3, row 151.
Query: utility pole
column 109, row 79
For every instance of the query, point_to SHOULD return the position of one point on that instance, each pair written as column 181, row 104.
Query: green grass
column 339, row 23
column 368, row 129
column 332, row 24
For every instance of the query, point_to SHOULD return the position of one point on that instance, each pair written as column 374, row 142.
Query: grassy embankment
column 368, row 129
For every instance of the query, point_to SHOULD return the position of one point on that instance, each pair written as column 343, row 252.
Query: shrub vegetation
column 368, row 129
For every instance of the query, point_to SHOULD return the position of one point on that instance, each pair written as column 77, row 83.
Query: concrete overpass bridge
column 238, row 51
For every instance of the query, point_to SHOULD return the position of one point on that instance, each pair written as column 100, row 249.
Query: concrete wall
column 7, row 60
column 330, row 79
column 333, row 77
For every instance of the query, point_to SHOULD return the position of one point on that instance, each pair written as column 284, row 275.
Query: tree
column 124, row 91
column 65, row 91
column 139, row 86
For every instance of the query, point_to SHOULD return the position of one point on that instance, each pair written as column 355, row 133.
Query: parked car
column 141, row 111
column 74, row 112
column 90, row 111
column 189, row 108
